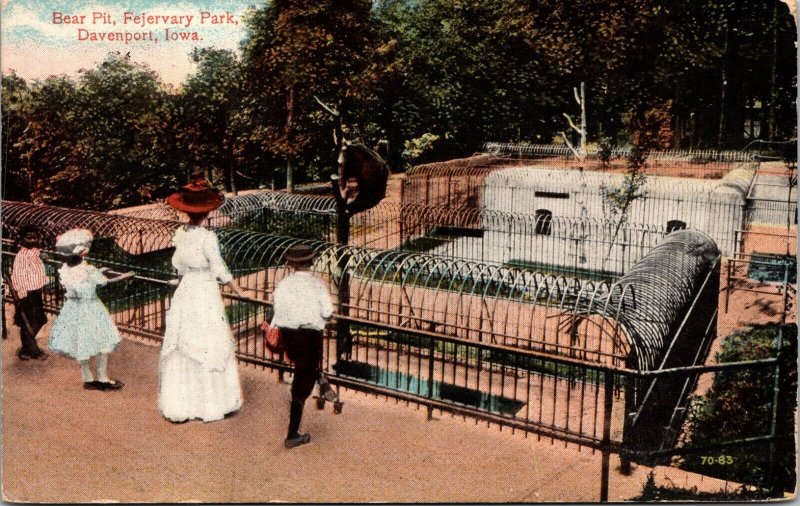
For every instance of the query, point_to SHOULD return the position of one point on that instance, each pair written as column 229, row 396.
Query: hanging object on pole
column 362, row 178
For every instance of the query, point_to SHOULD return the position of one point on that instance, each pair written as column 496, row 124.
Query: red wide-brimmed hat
column 196, row 197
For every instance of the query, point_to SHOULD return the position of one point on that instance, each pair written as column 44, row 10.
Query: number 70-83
column 719, row 460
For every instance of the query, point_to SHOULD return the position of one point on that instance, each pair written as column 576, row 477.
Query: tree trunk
column 733, row 99
column 230, row 173
column 773, row 96
column 288, row 131
column 583, row 118
column 289, row 177
column 723, row 85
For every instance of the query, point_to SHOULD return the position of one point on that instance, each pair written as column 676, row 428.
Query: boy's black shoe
column 91, row 385
column 297, row 440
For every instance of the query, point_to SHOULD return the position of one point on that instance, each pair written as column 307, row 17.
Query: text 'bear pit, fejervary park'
column 128, row 27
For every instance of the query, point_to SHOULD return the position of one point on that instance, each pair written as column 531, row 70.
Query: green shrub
column 739, row 405
column 652, row 493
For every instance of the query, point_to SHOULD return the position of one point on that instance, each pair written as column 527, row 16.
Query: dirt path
column 62, row 443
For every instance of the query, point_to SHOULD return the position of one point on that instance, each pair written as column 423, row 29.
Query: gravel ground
column 62, row 443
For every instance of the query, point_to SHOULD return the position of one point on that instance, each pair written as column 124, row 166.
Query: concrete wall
column 714, row 207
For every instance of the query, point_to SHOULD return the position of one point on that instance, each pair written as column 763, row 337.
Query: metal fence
column 651, row 208
column 577, row 247
column 552, row 150
column 580, row 247
column 458, row 182
column 596, row 364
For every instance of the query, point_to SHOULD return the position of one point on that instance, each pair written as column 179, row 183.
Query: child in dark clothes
column 27, row 280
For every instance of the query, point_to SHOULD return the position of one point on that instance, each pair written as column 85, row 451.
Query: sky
column 37, row 40
column 36, row 45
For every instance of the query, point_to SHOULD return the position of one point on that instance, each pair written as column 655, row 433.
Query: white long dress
column 198, row 372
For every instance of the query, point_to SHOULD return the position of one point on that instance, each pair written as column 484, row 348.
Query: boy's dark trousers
column 304, row 348
column 29, row 316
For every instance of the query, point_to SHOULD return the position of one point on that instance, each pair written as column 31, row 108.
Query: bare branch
column 577, row 97
column 572, row 124
column 569, row 145
column 327, row 108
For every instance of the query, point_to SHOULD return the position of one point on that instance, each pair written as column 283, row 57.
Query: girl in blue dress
column 84, row 328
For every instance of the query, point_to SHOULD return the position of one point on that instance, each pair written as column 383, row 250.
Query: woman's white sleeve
column 175, row 260
column 217, row 265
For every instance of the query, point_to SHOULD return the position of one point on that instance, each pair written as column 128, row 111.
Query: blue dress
column 84, row 327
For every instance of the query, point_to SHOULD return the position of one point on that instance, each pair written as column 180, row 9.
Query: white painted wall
column 712, row 206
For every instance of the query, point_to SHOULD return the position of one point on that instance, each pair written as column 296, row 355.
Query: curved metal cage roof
column 475, row 165
column 243, row 203
column 545, row 150
column 593, row 321
column 736, row 183
column 133, row 235
column 662, row 285
column 277, row 200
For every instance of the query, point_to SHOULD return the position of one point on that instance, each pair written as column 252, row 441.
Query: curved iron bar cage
column 580, row 247
column 458, row 182
column 470, row 300
column 244, row 202
column 544, row 353
column 311, row 216
column 540, row 150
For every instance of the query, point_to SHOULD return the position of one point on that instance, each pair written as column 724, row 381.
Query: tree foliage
column 428, row 79
column 297, row 50
column 206, row 111
column 17, row 177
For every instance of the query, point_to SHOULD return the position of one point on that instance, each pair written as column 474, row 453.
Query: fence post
column 776, row 398
column 162, row 321
column 606, row 444
column 785, row 290
column 430, row 375
column 343, row 293
column 728, row 285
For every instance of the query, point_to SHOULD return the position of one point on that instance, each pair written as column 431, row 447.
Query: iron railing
column 545, row 354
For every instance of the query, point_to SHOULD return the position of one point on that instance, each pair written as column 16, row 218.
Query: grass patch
column 558, row 270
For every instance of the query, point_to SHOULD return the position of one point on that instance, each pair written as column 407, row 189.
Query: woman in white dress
column 199, row 378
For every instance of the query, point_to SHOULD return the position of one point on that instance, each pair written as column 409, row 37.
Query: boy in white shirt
column 302, row 306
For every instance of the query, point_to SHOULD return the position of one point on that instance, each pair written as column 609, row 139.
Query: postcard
column 405, row 251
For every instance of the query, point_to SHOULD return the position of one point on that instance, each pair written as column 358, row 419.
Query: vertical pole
column 776, row 398
column 343, row 342
column 728, row 286
column 289, row 177
column 606, row 455
column 430, row 376
column 773, row 96
column 162, row 324
column 785, row 290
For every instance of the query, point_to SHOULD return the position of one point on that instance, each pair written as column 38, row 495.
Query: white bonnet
column 74, row 242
